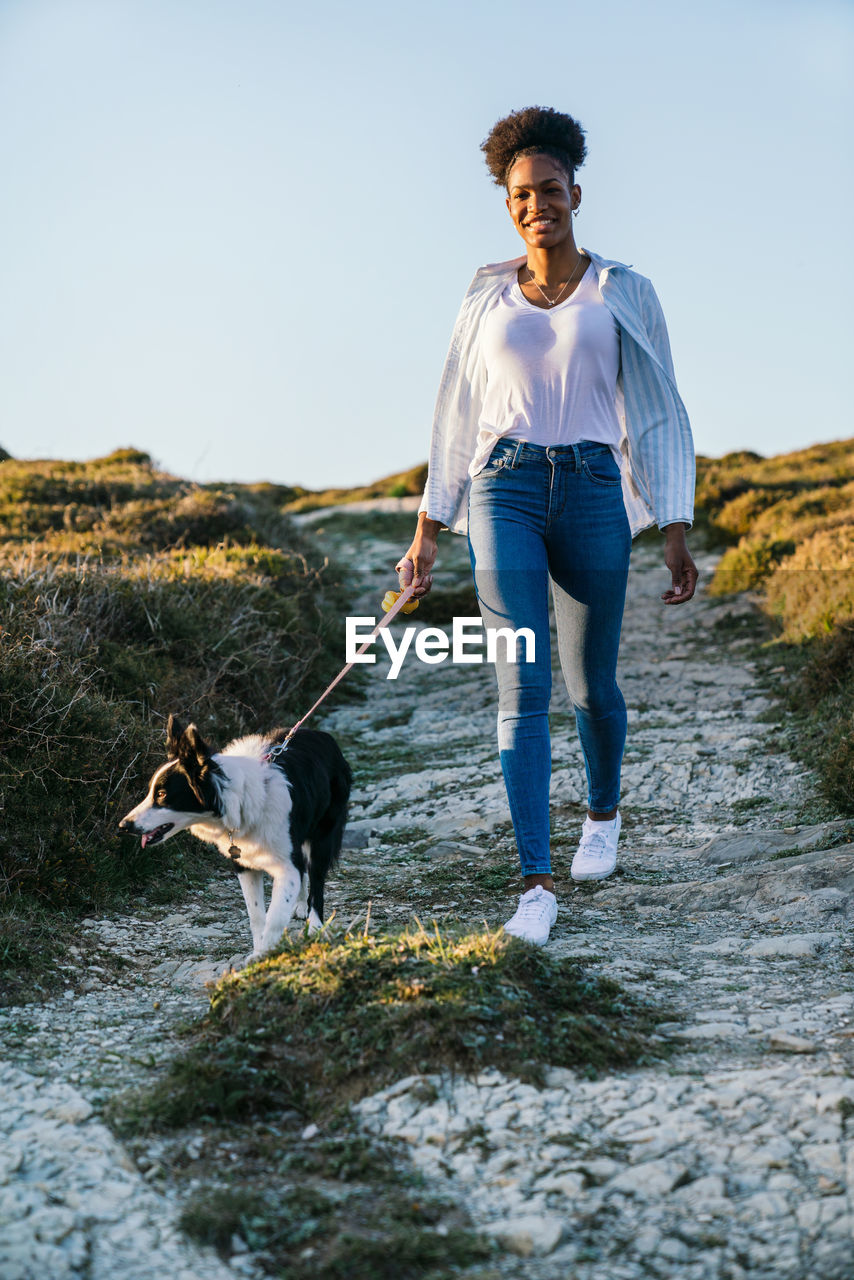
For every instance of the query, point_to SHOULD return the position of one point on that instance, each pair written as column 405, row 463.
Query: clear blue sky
column 236, row 232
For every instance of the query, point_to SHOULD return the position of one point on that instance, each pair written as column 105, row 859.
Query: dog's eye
column 160, row 796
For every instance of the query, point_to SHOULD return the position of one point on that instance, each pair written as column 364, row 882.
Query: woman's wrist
column 429, row 528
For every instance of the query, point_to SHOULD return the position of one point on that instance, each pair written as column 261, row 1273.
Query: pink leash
column 402, row 599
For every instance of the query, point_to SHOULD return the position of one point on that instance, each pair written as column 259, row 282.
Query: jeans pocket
column 494, row 463
column 602, row 468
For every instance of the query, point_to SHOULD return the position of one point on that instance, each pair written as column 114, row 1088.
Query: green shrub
column 326, row 1021
column 737, row 517
column 137, row 596
column 745, row 567
column 812, row 590
column 821, row 695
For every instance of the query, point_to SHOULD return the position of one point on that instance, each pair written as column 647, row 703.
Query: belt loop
column 576, row 453
column 514, row 461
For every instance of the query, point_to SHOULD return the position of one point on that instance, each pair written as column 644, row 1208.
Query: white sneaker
column 535, row 915
column 596, row 856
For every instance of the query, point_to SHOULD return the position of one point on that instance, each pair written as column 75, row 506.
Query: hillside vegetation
column 788, row 526
column 399, row 485
column 127, row 593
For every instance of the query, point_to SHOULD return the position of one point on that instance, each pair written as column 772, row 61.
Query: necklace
column 532, row 280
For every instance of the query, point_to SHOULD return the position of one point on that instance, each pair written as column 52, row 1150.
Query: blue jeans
column 538, row 514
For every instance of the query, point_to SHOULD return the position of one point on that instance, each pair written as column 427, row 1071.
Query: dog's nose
column 125, row 825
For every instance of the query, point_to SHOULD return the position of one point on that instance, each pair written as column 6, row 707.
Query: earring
column 575, row 211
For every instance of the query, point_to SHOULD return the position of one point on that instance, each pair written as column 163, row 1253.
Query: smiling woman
column 558, row 435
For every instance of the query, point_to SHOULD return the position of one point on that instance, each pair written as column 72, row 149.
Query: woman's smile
column 540, row 199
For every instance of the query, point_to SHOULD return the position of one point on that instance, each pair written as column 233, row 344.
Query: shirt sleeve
column 455, row 425
column 662, row 443
column 656, row 328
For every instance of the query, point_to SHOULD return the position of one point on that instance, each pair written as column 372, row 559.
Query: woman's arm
column 683, row 571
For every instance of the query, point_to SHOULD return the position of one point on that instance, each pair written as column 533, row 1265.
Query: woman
column 558, row 436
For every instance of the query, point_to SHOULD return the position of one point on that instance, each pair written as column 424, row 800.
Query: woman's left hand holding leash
column 683, row 571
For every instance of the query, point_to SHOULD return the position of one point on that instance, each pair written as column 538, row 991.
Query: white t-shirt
column 551, row 374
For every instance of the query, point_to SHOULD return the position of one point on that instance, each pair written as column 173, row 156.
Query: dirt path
column 731, row 911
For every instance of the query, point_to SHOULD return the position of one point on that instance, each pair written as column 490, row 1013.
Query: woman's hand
column 683, row 571
column 417, row 563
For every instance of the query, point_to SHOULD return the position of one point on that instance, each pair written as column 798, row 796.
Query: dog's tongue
column 146, row 838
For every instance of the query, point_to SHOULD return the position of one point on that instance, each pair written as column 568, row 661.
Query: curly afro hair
column 534, row 131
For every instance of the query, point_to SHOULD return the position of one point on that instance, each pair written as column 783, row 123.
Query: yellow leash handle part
column 389, row 599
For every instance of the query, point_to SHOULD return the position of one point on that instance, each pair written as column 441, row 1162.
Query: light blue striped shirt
column 656, row 450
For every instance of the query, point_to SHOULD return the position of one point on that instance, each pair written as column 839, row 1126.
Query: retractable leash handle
column 403, row 598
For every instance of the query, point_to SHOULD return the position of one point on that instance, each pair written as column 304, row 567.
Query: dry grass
column 791, row 519
column 126, row 594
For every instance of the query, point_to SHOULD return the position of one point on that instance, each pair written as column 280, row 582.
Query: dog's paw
column 300, row 911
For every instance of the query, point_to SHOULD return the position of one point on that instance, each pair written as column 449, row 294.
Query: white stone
column 764, row 1204
column 675, row 1251
column 709, row 1031
column 784, row 1042
column 71, row 1110
column 570, row 1185
column 797, row 944
column 528, row 1234
column 647, row 1240
column 824, row 1157
column 649, row 1180
column 701, row 1192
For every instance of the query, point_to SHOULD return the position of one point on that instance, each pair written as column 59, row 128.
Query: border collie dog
column 284, row 817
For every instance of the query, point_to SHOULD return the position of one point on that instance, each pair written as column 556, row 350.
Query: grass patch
column 817, row 688
column 748, row 803
column 32, row 942
column 311, row 1231
column 322, row 1023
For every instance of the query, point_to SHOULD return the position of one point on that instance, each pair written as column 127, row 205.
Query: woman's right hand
column 416, row 564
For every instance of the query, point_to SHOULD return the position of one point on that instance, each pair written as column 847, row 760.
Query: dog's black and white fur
column 285, row 817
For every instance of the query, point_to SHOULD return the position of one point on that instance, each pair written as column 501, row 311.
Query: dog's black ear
column 174, row 733
column 195, row 756
column 193, row 751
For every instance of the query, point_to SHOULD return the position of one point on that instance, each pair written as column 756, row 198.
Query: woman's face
column 540, row 201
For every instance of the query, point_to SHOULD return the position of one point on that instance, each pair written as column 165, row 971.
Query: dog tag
column 234, row 852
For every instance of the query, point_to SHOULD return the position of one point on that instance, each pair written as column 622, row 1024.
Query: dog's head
column 181, row 792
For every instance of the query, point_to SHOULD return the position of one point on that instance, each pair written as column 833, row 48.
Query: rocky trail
column 733, row 1157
